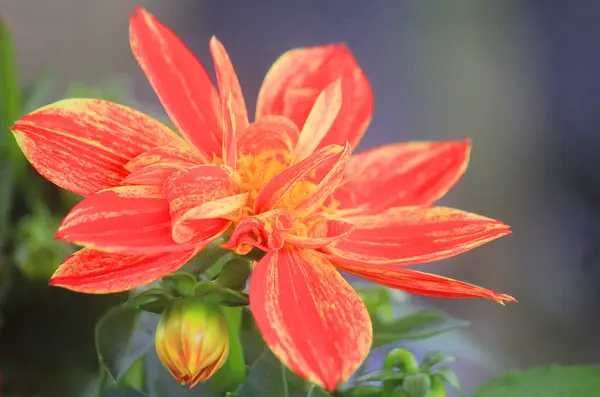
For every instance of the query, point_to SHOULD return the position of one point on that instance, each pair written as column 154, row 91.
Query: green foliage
column 318, row 392
column 37, row 253
column 554, row 381
column 389, row 326
column 233, row 372
column 123, row 336
column 267, row 377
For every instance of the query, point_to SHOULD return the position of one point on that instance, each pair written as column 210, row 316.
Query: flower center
column 254, row 172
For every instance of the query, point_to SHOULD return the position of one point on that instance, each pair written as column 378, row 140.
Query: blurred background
column 522, row 79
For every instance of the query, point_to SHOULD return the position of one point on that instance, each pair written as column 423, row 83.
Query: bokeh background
column 521, row 78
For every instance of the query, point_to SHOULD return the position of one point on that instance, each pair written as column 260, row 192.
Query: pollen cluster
column 255, row 171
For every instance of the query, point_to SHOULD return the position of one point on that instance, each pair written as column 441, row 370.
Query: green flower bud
column 192, row 340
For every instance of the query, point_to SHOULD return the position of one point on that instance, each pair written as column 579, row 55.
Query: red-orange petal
column 229, row 85
column 327, row 182
column 173, row 153
column 300, row 75
column 269, row 134
column 319, row 120
column 412, row 235
column 97, row 272
column 155, row 174
column 192, row 188
column 420, row 283
column 309, row 316
column 420, row 172
column 277, row 188
column 180, row 81
column 323, row 233
column 82, row 145
column 127, row 219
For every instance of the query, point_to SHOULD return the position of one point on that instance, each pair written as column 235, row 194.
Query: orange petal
column 96, row 272
column 320, row 119
column 155, row 174
column 327, row 183
column 323, row 233
column 82, row 144
column 411, row 235
column 179, row 80
column 264, row 231
column 277, row 188
column 313, row 321
column 229, row 145
column 269, row 134
column 421, row 173
column 174, row 153
column 420, row 283
column 298, row 77
column 192, row 188
column 129, row 219
column 229, row 85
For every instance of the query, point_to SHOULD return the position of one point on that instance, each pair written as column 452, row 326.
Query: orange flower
column 286, row 184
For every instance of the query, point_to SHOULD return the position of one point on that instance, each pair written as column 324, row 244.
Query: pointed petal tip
column 503, row 298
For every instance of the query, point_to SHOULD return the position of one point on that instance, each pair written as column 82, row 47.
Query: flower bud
column 192, row 340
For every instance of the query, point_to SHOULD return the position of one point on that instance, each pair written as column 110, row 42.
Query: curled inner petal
column 189, row 191
column 264, row 231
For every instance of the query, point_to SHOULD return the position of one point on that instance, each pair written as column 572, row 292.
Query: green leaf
column 227, row 297
column 448, row 376
column 267, row 377
column 418, row 325
column 10, row 110
column 181, row 283
column 380, row 375
column 318, row 392
column 553, row 381
column 125, row 392
column 6, row 197
column 151, row 301
column 233, row 372
column 434, row 358
column 417, row 385
column 10, row 92
column 124, row 335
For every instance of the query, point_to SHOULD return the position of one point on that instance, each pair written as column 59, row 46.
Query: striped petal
column 326, row 183
column 97, row 272
column 174, row 153
column 321, row 234
column 180, row 81
column 412, row 235
column 155, row 174
column 298, row 77
column 200, row 198
column 320, row 119
column 281, row 186
column 420, row 173
column 229, row 85
column 334, row 333
column 269, row 134
column 82, row 145
column 129, row 219
column 420, row 283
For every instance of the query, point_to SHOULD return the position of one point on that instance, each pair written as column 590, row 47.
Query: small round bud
column 192, row 340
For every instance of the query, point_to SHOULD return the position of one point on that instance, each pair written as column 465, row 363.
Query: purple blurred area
column 522, row 79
